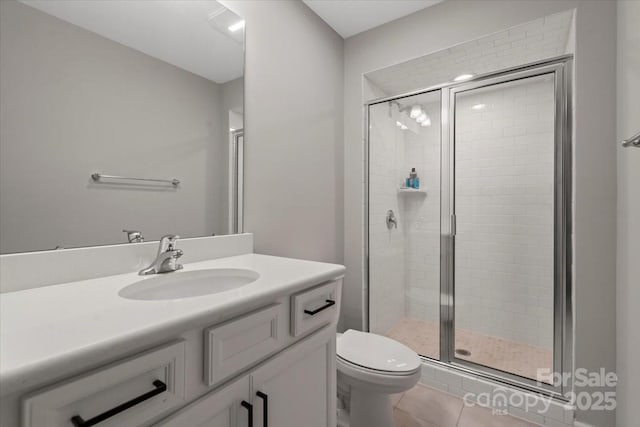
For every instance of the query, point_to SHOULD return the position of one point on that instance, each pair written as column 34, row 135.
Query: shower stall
column 470, row 267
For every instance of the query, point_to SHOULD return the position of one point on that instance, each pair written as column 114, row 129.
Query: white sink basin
column 188, row 284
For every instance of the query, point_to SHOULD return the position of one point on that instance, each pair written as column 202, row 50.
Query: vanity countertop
column 49, row 332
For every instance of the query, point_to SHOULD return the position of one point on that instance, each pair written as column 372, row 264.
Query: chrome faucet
column 134, row 236
column 167, row 259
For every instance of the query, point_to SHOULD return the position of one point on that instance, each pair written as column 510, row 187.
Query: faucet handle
column 168, row 242
column 134, row 236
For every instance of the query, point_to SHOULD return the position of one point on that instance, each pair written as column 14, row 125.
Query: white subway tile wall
column 386, row 258
column 422, row 216
column 404, row 261
column 533, row 41
column 504, row 207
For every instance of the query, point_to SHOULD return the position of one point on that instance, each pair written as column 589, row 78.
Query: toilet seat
column 376, row 354
column 350, row 366
column 371, row 368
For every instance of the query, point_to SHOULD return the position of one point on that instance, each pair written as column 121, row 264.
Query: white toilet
column 371, row 368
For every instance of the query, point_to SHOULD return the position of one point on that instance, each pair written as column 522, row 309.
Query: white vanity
column 261, row 353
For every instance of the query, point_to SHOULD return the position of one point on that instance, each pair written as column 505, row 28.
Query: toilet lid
column 376, row 352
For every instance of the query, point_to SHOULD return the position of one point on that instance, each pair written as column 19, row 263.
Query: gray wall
column 454, row 22
column 73, row 103
column 293, row 130
column 628, row 291
column 232, row 97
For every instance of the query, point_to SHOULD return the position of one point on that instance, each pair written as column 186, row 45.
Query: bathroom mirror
column 118, row 115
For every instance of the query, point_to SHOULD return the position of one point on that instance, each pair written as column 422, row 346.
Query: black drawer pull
column 77, row 420
column 249, row 407
column 265, row 410
column 328, row 304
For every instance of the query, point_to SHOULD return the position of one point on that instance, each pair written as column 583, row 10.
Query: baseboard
column 474, row 390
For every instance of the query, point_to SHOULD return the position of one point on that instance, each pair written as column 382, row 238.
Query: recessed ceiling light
column 235, row 27
column 478, row 106
column 226, row 22
column 463, row 77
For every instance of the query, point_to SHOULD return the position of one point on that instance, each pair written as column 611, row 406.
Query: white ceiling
column 350, row 17
column 175, row 31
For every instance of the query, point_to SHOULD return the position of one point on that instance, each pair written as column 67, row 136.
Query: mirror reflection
column 118, row 115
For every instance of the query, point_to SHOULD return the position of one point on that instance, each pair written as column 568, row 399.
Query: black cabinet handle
column 77, row 420
column 249, row 407
column 265, row 410
column 328, row 304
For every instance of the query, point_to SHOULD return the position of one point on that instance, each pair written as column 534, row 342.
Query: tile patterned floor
column 510, row 356
column 425, row 407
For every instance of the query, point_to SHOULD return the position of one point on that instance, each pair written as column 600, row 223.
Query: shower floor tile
column 498, row 353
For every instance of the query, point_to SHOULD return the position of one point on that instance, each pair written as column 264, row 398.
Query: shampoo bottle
column 413, row 179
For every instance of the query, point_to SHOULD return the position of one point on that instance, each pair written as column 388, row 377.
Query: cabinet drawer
column 128, row 393
column 235, row 345
column 314, row 308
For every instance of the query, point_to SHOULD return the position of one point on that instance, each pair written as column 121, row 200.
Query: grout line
column 399, row 400
column 460, row 414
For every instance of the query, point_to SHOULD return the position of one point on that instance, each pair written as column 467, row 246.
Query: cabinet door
column 220, row 408
column 298, row 387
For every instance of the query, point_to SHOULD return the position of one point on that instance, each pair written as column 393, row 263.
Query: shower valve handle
column 392, row 222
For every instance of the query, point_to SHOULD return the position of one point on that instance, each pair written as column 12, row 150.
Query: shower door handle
column 453, row 225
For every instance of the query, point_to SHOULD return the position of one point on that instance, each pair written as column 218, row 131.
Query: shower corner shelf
column 406, row 190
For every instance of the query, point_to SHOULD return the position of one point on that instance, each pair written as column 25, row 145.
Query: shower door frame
column 562, row 325
column 561, row 68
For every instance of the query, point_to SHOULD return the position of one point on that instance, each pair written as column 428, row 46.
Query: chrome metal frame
column 564, row 145
column 100, row 176
column 561, row 221
column 634, row 141
column 236, row 181
column 366, row 321
column 479, row 77
column 561, row 67
column 446, row 229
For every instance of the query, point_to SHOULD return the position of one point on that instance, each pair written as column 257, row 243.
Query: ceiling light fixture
column 463, row 77
column 237, row 26
column 426, row 122
column 479, row 106
column 416, row 110
column 421, row 118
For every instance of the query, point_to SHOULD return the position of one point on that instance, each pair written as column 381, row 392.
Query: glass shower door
column 505, row 210
column 404, row 221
